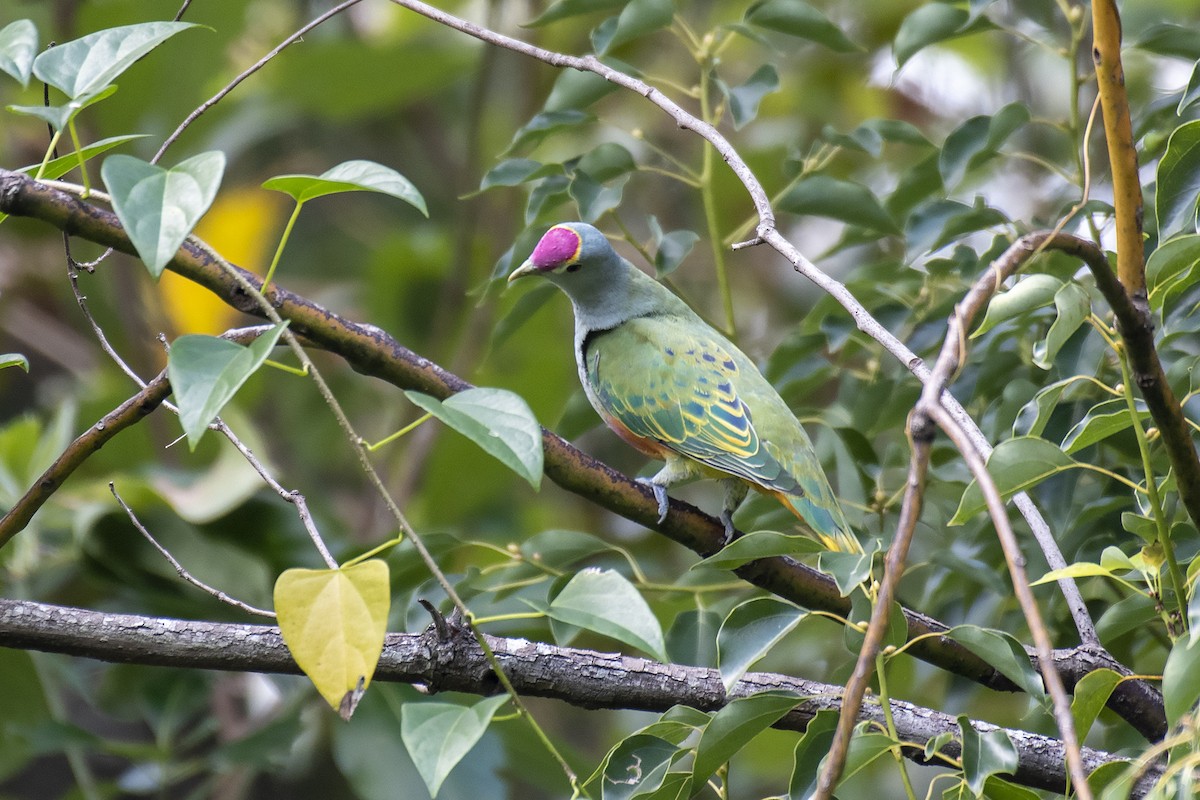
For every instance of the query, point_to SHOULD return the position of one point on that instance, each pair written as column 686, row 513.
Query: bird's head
column 567, row 250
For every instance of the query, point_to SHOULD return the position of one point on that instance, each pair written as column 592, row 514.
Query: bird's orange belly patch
column 645, row 445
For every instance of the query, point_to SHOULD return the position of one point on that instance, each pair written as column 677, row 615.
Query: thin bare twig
column 179, row 568
column 255, row 67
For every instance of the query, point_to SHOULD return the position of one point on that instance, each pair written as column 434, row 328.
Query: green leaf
column 159, row 207
column 607, row 161
column 1193, row 614
column 515, row 171
column 1171, row 269
column 578, row 90
column 810, row 750
column 847, row 201
column 593, row 198
column 57, row 167
column 941, row 222
column 797, row 18
column 604, row 601
column 1003, row 652
column 439, row 735
column 977, row 140
column 545, row 123
column 848, row 569
column 929, row 24
column 1090, row 695
column 637, row 766
column 1179, row 182
column 692, row 638
column 745, row 99
column 18, row 46
column 734, row 726
column 206, row 372
column 637, row 18
column 1123, row 616
column 14, row 360
column 333, row 622
column 1074, row 307
column 564, row 9
column 1035, row 415
column 1031, row 292
column 670, row 248
column 760, row 544
column 87, row 65
column 1191, row 93
column 1015, row 465
column 1169, row 39
column 1102, row 421
column 750, row 631
column 349, row 176
column 1181, row 679
column 497, row 420
column 1080, row 569
column 58, row 117
column 985, row 754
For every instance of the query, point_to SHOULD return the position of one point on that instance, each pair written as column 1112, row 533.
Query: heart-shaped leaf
column 333, row 622
column 206, row 372
column 438, row 735
column 497, row 420
column 749, row 632
column 91, row 63
column 18, row 46
column 350, row 176
column 58, row 117
column 159, row 207
column 604, row 601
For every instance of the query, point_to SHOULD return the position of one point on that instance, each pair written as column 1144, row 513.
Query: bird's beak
column 522, row 271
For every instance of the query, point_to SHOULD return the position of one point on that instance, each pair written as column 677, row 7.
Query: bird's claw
column 660, row 494
column 727, row 519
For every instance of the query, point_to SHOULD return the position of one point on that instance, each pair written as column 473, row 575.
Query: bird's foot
column 660, row 494
column 727, row 519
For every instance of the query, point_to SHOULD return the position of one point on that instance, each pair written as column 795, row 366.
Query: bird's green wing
column 679, row 388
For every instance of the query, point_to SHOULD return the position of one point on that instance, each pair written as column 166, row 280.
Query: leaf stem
column 885, row 703
column 287, row 232
column 406, row 429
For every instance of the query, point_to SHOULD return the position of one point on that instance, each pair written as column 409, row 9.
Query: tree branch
column 583, row 678
column 372, row 351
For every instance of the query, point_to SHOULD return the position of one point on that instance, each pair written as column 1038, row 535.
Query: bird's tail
column 828, row 525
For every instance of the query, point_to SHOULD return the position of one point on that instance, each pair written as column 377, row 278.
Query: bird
column 679, row 391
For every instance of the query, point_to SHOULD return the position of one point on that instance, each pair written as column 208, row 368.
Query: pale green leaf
column 333, row 622
column 1181, row 679
column 206, row 372
column 1074, row 307
column 18, row 46
column 604, row 601
column 497, row 420
column 749, row 632
column 14, row 360
column 439, row 735
column 159, row 207
column 1090, row 695
column 1030, row 293
column 349, row 176
column 89, row 64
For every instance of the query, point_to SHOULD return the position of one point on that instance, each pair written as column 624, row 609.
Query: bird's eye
column 573, row 267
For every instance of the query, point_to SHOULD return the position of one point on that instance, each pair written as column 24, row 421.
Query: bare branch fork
column 582, row 677
column 371, row 351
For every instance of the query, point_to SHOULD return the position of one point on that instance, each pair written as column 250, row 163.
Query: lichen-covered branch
column 584, row 678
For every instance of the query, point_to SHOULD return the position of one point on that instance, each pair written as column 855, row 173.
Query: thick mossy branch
column 372, row 351
column 585, row 678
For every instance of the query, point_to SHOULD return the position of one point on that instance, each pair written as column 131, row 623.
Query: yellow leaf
column 333, row 622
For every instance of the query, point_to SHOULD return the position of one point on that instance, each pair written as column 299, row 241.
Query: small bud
column 1075, row 14
column 637, row 133
column 1119, row 388
column 513, row 548
column 1152, row 434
